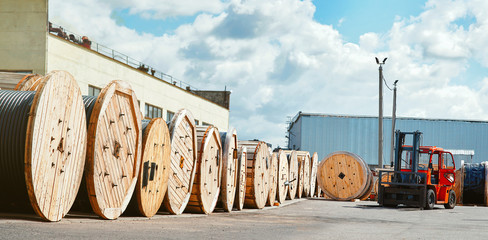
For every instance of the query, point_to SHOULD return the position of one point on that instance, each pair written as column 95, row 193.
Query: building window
column 169, row 116
column 205, row 124
column 93, row 91
column 196, row 122
column 153, row 111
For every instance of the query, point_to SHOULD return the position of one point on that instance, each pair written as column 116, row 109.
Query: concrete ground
column 298, row 219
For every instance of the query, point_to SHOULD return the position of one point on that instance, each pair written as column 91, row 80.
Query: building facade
column 324, row 134
column 30, row 44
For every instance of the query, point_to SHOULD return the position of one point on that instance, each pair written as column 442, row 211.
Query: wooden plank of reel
column 257, row 174
column 114, row 150
column 183, row 159
column 206, row 186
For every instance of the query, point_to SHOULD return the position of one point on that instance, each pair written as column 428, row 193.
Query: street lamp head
column 377, row 61
column 384, row 60
column 395, row 82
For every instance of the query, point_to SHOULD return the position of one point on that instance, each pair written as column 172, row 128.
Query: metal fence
column 115, row 55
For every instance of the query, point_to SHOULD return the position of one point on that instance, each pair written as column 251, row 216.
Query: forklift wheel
column 430, row 201
column 451, row 202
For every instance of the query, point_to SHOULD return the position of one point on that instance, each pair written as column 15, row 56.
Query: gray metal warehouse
column 324, row 134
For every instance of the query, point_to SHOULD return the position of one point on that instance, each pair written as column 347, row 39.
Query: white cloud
column 278, row 60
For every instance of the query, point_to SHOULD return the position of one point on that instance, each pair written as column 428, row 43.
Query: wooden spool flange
column 273, row 179
column 114, row 149
column 183, row 159
column 29, row 83
column 257, row 174
column 291, row 156
column 282, row 178
column 241, row 179
column 229, row 169
column 305, row 168
column 49, row 155
column 152, row 182
column 318, row 190
column 301, row 161
column 313, row 174
column 344, row 176
column 206, row 186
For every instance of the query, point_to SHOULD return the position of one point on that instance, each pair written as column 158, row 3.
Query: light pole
column 380, row 113
column 393, row 120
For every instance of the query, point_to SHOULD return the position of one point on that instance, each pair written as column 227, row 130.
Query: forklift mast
column 399, row 148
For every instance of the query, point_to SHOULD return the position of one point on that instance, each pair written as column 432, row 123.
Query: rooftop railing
column 115, row 55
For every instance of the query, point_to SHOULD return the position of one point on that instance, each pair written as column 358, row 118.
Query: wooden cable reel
column 318, row 190
column 305, row 168
column 344, row 176
column 291, row 156
column 183, row 159
column 114, row 149
column 206, row 186
column 314, row 162
column 257, row 174
column 43, row 145
column 152, row 182
column 282, row 177
column 241, row 179
column 29, row 83
column 273, row 179
column 229, row 169
column 301, row 162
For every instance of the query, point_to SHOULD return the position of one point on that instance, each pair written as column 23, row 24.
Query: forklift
column 422, row 176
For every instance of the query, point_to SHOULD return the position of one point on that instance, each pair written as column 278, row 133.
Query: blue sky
column 283, row 56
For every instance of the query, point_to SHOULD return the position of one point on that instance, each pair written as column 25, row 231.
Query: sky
column 280, row 57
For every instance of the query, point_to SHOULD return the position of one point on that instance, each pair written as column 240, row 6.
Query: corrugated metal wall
column 325, row 134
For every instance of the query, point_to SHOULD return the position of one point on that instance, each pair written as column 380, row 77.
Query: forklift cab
column 438, row 165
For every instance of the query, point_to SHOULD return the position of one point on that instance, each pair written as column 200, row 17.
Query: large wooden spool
column 29, row 83
column 43, row 146
column 229, row 169
column 183, row 159
column 114, row 149
column 257, row 174
column 291, row 156
column 273, row 179
column 206, row 186
column 301, row 162
column 314, row 163
column 282, row 177
column 152, row 182
column 344, row 176
column 305, row 168
column 241, row 179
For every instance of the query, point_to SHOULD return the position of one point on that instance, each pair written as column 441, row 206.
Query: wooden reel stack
column 257, row 174
column 183, row 159
column 206, row 186
column 43, row 136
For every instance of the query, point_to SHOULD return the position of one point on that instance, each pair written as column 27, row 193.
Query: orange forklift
column 422, row 176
